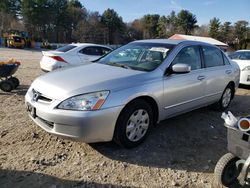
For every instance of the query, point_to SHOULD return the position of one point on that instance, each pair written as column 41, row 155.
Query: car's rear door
column 217, row 71
column 184, row 92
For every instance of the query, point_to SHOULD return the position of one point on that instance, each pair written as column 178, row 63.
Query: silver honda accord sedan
column 123, row 94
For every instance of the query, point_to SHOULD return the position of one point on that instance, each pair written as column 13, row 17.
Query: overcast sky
column 225, row 10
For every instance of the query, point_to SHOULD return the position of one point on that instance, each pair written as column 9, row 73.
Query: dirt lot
column 180, row 152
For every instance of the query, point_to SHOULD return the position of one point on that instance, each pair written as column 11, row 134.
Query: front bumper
column 245, row 77
column 87, row 126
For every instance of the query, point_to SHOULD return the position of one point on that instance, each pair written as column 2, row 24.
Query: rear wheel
column 6, row 85
column 133, row 124
column 225, row 99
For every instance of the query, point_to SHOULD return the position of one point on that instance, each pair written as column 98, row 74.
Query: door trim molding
column 185, row 102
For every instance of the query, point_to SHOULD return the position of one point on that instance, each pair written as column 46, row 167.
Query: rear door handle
column 228, row 71
column 201, row 78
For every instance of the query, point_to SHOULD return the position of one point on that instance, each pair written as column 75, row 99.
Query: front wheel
column 6, row 85
column 133, row 124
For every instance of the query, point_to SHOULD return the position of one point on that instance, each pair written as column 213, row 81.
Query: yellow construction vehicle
column 27, row 38
column 16, row 39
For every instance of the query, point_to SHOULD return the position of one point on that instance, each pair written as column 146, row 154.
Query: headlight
column 246, row 68
column 85, row 102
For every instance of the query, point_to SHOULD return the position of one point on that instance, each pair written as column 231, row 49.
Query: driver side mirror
column 181, row 68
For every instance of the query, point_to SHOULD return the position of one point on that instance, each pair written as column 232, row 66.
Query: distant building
column 202, row 39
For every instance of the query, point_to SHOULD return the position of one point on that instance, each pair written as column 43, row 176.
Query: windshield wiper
column 119, row 65
column 140, row 69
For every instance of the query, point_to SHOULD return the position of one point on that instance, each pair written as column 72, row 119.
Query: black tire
column 219, row 105
column 5, row 43
column 6, row 85
column 120, row 134
column 226, row 172
column 15, row 82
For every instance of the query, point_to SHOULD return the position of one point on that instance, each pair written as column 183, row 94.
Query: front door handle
column 228, row 71
column 201, row 78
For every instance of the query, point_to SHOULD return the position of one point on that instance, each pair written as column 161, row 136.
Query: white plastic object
column 229, row 119
column 244, row 124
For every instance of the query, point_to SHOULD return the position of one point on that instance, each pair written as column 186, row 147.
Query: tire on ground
column 15, row 81
column 120, row 134
column 226, row 172
column 6, row 85
column 219, row 105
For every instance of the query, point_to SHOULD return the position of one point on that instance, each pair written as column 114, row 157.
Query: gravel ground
column 180, row 152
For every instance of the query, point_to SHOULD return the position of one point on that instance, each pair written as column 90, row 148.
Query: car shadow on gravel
column 21, row 91
column 24, row 179
column 194, row 141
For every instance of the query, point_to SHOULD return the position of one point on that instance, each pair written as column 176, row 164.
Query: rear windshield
column 66, row 48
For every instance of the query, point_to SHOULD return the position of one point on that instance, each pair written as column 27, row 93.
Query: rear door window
column 66, row 48
column 212, row 56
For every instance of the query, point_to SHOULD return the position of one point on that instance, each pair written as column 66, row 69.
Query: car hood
column 86, row 78
column 242, row 63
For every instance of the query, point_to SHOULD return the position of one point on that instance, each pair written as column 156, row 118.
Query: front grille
column 39, row 96
column 42, row 98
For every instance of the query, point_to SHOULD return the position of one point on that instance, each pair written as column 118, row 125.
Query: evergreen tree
column 214, row 28
column 186, row 21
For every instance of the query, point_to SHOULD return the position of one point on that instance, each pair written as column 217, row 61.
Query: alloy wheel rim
column 226, row 97
column 137, row 125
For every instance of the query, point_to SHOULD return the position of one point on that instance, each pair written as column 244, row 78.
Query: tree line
column 67, row 21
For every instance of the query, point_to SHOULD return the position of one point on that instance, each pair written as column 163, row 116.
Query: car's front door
column 184, row 92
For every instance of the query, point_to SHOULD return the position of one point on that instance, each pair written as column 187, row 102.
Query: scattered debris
column 176, row 184
column 3, row 133
column 34, row 135
column 58, row 158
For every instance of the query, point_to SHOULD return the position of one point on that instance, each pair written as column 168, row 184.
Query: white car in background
column 242, row 58
column 72, row 54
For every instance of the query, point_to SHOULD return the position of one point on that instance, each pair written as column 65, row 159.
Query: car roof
column 243, row 51
column 173, row 41
column 87, row 44
column 167, row 41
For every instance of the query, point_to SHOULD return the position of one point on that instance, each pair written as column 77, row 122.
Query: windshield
column 138, row 56
column 17, row 39
column 66, row 48
column 240, row 55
